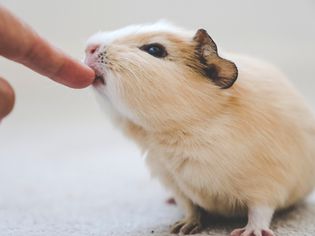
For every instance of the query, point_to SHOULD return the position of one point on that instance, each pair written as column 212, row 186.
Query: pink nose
column 91, row 49
column 91, row 54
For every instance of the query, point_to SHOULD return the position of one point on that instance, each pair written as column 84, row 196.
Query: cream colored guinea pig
column 225, row 133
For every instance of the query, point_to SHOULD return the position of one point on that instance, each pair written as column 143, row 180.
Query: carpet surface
column 95, row 185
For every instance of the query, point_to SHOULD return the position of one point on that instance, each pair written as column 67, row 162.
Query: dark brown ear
column 221, row 71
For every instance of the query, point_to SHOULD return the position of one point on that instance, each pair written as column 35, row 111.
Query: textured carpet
column 89, row 181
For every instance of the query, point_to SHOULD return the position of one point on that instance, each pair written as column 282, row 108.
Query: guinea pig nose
column 91, row 49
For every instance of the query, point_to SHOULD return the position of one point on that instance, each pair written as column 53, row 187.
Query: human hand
column 18, row 42
column 6, row 98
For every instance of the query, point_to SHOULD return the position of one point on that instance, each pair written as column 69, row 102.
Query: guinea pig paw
column 252, row 232
column 184, row 227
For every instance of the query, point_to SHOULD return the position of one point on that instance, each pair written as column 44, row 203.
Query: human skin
column 20, row 43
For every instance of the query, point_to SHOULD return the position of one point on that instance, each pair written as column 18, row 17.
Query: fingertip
column 82, row 78
column 75, row 75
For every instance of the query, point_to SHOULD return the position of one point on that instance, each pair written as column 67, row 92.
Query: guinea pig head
column 159, row 75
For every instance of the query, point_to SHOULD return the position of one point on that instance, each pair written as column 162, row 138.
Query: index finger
column 20, row 43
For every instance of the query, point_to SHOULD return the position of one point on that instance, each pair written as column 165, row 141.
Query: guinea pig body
column 231, row 147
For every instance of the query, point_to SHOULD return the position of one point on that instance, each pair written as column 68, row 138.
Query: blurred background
column 64, row 170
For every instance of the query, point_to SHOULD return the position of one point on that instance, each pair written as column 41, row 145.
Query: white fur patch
column 112, row 92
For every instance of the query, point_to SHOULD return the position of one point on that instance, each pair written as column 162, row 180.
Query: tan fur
column 224, row 150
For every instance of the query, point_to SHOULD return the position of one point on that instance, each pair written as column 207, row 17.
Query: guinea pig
column 226, row 133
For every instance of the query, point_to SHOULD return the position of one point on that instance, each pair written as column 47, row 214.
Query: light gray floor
column 80, row 182
column 65, row 171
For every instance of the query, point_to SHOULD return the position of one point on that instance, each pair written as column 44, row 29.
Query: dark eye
column 155, row 49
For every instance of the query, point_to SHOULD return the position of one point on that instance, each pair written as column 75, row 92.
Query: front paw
column 190, row 226
column 252, row 232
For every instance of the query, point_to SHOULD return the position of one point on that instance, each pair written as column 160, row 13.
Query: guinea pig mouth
column 99, row 80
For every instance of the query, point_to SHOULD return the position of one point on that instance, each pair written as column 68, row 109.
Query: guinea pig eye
column 155, row 49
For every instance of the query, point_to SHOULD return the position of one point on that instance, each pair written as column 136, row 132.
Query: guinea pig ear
column 221, row 71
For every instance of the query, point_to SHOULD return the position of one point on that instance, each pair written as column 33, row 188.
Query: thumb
column 7, row 98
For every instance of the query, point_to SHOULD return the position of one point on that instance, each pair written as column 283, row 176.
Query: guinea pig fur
column 226, row 133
